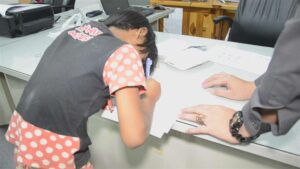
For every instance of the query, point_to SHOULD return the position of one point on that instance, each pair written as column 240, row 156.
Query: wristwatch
column 235, row 124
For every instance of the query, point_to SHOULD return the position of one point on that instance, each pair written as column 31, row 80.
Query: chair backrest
column 260, row 22
column 60, row 5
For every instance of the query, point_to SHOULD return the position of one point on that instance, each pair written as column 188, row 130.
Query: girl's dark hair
column 129, row 19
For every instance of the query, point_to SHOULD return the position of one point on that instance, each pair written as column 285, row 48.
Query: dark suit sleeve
column 279, row 88
column 259, row 79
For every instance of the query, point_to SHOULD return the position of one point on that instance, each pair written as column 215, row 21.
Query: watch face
column 236, row 120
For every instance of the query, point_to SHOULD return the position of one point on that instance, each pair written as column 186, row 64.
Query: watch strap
column 235, row 123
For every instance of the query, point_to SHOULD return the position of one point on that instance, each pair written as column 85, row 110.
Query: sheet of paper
column 112, row 115
column 178, row 54
column 187, row 59
column 240, row 59
column 171, row 47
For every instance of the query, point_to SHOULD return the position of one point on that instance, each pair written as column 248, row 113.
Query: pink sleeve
column 124, row 68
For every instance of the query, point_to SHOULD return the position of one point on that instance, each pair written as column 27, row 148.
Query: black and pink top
column 76, row 76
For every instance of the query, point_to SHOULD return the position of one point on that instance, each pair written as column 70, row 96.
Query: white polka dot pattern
column 41, row 148
column 38, row 132
column 39, row 154
column 123, row 68
column 33, row 144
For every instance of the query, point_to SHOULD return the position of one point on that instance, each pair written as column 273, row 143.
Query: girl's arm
column 135, row 112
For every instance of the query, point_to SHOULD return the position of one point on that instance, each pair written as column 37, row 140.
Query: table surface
column 266, row 145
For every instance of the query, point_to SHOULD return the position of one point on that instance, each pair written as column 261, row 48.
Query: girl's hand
column 153, row 89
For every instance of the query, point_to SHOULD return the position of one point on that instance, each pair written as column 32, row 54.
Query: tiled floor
column 6, row 151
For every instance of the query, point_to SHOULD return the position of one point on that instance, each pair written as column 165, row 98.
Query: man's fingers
column 220, row 92
column 193, row 109
column 188, row 116
column 198, row 130
column 214, row 77
column 221, row 81
column 202, row 108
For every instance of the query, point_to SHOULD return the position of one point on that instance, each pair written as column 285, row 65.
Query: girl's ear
column 142, row 32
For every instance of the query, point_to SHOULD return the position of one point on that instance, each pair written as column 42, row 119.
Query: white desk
column 175, row 150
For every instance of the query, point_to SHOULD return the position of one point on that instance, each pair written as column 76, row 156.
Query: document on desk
column 181, row 54
column 240, row 59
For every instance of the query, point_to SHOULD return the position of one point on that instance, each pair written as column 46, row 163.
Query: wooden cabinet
column 199, row 23
column 25, row 1
column 198, row 16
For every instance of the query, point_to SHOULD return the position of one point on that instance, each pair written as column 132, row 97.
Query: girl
column 76, row 76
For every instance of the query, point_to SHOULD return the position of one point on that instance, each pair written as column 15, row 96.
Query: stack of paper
column 181, row 54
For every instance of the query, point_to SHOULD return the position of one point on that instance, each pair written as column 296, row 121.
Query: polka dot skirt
column 124, row 68
column 40, row 148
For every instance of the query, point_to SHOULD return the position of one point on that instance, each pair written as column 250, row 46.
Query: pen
column 57, row 19
column 200, row 47
column 148, row 67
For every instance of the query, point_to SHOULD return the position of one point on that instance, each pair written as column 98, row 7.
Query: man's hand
column 236, row 88
column 213, row 120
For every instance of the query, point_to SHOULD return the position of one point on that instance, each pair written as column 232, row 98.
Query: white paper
column 187, row 59
column 178, row 54
column 170, row 47
column 240, row 59
column 112, row 115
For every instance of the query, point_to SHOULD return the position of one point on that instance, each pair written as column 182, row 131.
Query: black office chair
column 62, row 5
column 259, row 22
